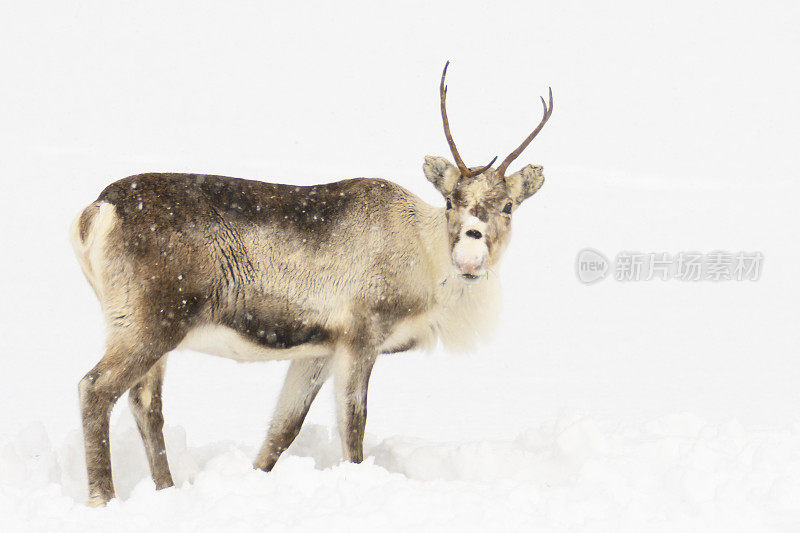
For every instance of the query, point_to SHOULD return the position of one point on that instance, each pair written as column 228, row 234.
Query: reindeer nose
column 475, row 234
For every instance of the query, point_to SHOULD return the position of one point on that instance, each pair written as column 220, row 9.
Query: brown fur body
column 235, row 253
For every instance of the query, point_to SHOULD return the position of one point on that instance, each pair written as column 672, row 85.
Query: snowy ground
column 675, row 473
column 643, row 406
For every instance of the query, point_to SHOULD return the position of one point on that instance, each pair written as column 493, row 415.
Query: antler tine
column 443, row 94
column 465, row 171
column 482, row 169
column 548, row 110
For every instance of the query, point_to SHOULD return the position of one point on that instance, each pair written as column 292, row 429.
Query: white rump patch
column 91, row 250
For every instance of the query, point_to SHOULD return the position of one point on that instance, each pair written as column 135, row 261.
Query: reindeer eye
column 507, row 208
column 449, row 205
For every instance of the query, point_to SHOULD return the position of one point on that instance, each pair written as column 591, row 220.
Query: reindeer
column 328, row 276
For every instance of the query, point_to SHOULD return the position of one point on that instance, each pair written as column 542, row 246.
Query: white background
column 675, row 129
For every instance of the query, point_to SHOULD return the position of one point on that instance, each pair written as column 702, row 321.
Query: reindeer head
column 480, row 200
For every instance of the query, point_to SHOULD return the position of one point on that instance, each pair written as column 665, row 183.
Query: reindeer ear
column 524, row 183
column 441, row 173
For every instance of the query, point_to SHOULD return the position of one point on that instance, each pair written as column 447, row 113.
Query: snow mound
column 676, row 473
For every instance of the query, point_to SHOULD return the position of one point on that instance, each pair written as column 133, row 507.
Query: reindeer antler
column 501, row 170
column 465, row 172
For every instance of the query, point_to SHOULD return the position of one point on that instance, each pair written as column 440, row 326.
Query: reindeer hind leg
column 124, row 363
column 145, row 403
